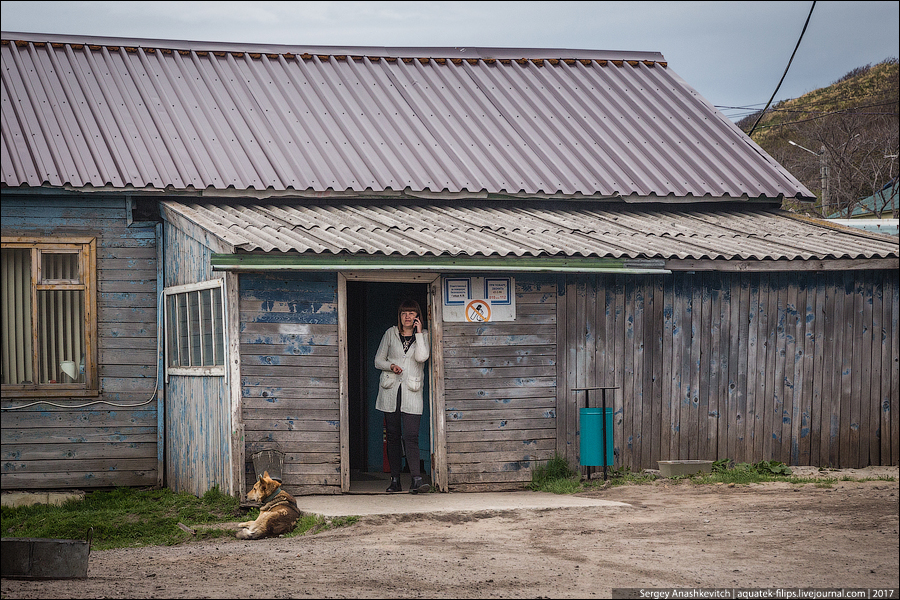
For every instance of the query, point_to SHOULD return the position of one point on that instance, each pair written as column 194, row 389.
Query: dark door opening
column 371, row 309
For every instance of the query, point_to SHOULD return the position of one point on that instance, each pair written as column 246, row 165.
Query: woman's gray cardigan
column 390, row 351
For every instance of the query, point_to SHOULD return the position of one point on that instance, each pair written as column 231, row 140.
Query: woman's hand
column 396, row 369
column 417, row 325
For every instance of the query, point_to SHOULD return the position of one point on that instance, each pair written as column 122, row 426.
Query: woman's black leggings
column 395, row 423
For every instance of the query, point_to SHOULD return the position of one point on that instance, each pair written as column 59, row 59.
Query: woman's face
column 408, row 317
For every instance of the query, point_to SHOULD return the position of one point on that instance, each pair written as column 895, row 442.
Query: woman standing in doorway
column 401, row 358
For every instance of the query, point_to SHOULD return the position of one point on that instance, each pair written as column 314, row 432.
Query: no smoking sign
column 478, row 311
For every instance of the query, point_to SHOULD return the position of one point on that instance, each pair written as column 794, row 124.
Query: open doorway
column 371, row 310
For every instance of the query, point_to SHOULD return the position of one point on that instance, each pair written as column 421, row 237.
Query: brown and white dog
column 278, row 514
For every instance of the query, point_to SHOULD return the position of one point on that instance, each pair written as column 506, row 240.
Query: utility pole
column 823, row 173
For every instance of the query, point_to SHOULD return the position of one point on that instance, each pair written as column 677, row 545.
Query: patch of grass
column 556, row 476
column 123, row 517
column 723, row 471
column 625, row 476
column 130, row 517
column 313, row 524
column 825, row 483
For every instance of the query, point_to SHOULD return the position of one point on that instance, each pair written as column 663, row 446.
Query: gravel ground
column 673, row 534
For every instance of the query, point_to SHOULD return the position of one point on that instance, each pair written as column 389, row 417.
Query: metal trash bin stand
column 271, row 461
column 594, row 437
column 596, row 448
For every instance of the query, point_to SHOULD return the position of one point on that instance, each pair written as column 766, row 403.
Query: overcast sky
column 732, row 53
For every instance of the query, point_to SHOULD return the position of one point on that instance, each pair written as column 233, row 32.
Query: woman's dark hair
column 408, row 305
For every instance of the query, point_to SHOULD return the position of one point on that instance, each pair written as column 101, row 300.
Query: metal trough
column 44, row 558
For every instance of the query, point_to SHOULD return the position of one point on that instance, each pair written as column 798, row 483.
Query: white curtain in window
column 16, row 310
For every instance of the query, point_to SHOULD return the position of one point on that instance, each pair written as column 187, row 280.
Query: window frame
column 86, row 248
column 217, row 370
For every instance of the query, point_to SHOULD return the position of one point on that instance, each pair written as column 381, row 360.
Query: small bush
column 556, row 476
column 725, row 471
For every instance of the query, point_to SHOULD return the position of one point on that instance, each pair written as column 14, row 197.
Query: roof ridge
column 411, row 52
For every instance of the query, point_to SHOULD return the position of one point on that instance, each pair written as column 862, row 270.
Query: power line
column 785, row 69
column 822, row 115
column 830, row 97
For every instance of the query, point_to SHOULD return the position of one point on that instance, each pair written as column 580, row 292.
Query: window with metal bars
column 49, row 324
column 195, row 332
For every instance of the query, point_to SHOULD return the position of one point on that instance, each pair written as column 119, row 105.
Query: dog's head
column 263, row 488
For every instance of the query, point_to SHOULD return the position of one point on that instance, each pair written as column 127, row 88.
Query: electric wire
column 152, row 397
column 828, row 114
column 785, row 70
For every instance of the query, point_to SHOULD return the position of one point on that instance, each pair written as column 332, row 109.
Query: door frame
column 435, row 319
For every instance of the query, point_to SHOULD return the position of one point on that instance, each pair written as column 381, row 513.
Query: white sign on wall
column 479, row 299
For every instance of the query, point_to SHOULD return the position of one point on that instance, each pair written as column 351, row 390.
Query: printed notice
column 497, row 290
column 456, row 291
column 479, row 300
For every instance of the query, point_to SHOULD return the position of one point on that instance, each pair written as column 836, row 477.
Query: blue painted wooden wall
column 289, row 376
column 113, row 440
column 198, row 420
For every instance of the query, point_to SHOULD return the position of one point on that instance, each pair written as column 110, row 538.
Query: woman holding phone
column 401, row 358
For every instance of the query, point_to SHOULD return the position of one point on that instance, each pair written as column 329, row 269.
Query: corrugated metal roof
column 536, row 228
column 154, row 114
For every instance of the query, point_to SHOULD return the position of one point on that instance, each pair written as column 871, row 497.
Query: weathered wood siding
column 289, row 377
column 198, row 420
column 798, row 367
column 114, row 441
column 500, row 390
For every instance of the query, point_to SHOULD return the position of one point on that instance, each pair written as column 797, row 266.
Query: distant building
column 865, row 215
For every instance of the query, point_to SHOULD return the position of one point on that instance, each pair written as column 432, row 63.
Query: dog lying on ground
column 278, row 514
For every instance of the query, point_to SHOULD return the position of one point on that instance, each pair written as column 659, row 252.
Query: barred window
column 195, row 340
column 49, row 329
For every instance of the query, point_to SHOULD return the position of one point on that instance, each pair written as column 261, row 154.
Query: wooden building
column 246, row 218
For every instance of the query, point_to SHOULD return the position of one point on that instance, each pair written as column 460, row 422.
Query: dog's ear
column 262, row 476
column 266, row 475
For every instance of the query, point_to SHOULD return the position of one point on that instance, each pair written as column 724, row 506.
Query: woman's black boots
column 395, row 485
column 417, row 486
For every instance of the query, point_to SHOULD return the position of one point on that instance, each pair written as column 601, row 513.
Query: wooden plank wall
column 197, row 409
column 289, row 377
column 198, row 435
column 112, row 443
column 500, row 391
column 800, row 368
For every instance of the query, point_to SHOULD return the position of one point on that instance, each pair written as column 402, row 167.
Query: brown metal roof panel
column 706, row 148
column 207, row 120
column 645, row 144
column 26, row 153
column 483, row 151
column 628, row 131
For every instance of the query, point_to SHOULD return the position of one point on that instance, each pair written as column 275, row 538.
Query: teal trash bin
column 592, row 437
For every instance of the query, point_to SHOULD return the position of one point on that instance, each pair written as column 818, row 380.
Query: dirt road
column 673, row 534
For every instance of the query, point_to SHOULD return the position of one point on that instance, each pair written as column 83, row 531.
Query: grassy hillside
column 854, row 121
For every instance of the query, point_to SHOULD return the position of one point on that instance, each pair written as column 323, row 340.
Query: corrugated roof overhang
column 441, row 264
column 531, row 236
